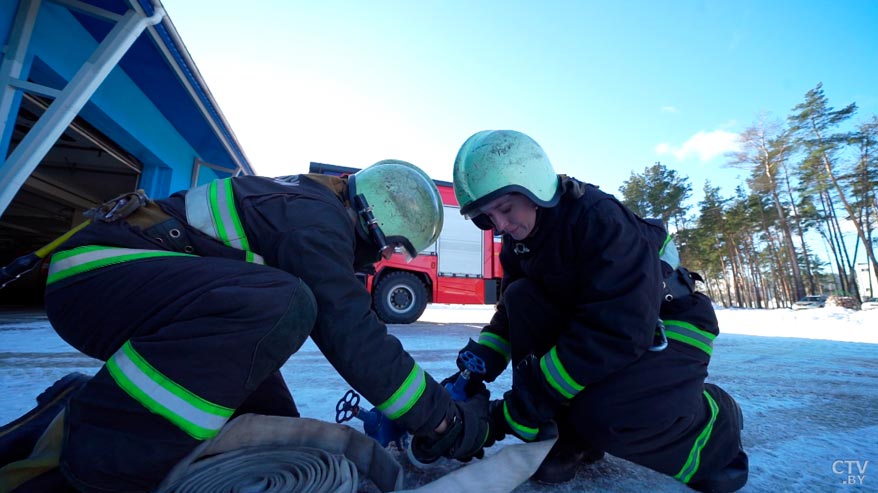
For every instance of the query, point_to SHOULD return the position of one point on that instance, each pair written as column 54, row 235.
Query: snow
column 806, row 380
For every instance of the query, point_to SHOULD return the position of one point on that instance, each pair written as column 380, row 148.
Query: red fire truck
column 463, row 266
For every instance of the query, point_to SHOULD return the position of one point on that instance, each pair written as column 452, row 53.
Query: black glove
column 464, row 438
column 529, row 404
column 495, row 362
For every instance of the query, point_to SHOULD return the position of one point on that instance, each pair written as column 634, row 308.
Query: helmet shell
column 404, row 199
column 492, row 163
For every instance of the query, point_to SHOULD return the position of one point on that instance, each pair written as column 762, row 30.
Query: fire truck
column 462, row 267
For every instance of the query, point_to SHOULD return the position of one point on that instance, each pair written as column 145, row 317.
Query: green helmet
column 492, row 163
column 403, row 202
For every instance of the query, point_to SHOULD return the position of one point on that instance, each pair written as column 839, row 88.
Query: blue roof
column 151, row 62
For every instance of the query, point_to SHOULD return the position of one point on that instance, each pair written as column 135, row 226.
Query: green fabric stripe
column 524, row 432
column 173, row 387
column 217, row 213
column 688, row 340
column 415, row 374
column 148, row 402
column 97, row 264
column 233, row 214
column 687, row 325
column 664, row 245
column 693, row 462
column 496, row 343
column 552, row 368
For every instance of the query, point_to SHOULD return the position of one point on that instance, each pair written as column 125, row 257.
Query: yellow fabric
column 42, row 459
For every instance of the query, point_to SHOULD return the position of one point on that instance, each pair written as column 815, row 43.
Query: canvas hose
column 271, row 469
column 255, row 453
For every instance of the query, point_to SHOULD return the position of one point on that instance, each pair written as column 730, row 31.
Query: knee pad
column 286, row 336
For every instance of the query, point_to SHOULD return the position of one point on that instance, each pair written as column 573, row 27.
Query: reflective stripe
column 406, row 395
column 197, row 417
column 496, row 343
column 90, row 257
column 525, row 432
column 685, row 332
column 693, row 462
column 211, row 209
column 557, row 375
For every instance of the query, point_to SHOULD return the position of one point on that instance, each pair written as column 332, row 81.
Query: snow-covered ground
column 807, row 381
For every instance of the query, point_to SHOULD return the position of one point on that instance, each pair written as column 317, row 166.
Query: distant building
column 867, row 281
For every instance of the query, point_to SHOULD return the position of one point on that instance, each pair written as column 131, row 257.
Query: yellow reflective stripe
column 406, row 395
column 687, row 333
column 90, row 257
column 199, row 418
column 693, row 462
column 254, row 258
column 496, row 343
column 211, row 209
column 557, row 375
column 525, row 432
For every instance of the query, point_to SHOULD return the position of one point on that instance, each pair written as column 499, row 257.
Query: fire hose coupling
column 375, row 424
column 473, row 366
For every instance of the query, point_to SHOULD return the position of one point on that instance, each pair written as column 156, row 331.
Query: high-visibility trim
column 557, row 375
column 525, row 432
column 693, row 462
column 211, row 209
column 685, row 332
column 406, row 395
column 90, row 257
column 496, row 343
column 198, row 417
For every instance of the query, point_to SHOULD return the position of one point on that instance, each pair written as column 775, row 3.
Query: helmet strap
column 364, row 211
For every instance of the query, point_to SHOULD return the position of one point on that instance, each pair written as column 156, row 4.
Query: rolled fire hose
column 255, row 453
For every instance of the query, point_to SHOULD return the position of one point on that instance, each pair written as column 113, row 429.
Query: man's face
column 512, row 214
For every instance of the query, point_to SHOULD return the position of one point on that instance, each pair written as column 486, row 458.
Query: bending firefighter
column 194, row 302
column 604, row 330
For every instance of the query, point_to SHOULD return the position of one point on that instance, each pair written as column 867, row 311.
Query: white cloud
column 704, row 145
column 669, row 109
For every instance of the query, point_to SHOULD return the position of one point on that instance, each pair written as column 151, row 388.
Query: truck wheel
column 400, row 298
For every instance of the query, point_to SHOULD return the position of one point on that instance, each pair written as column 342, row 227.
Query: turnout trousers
column 657, row 412
column 187, row 342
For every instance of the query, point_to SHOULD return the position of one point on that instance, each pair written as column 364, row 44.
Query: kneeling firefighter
column 605, row 331
column 194, row 302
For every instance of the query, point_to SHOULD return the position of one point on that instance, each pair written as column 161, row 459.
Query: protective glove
column 528, row 405
column 495, row 362
column 465, row 436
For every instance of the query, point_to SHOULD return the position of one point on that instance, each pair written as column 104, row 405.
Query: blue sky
column 606, row 88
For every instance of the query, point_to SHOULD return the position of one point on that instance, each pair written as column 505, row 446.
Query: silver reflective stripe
column 406, row 396
column 196, row 416
column 198, row 212
column 557, row 376
column 90, row 257
column 211, row 209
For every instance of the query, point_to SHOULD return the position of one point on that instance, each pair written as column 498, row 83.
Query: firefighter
column 194, row 302
column 604, row 330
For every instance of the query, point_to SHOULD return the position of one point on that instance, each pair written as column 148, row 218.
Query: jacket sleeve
column 318, row 247
column 494, row 345
column 616, row 306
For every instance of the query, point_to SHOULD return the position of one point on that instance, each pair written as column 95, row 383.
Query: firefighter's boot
column 561, row 463
column 17, row 439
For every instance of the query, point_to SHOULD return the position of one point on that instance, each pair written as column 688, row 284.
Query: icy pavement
column 810, row 403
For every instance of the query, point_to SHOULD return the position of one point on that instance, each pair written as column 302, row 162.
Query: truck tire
column 399, row 298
